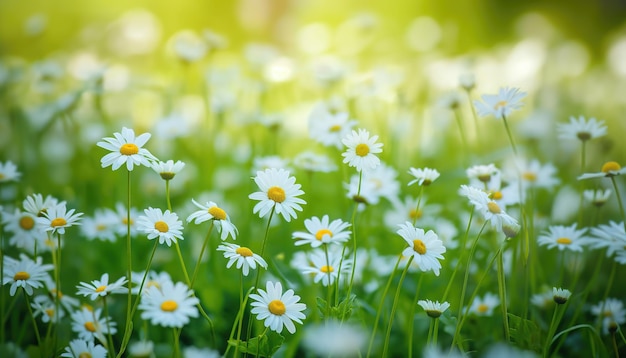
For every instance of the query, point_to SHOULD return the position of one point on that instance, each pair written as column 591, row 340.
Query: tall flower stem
column 110, row 346
column 419, row 202
column 204, row 245
column 394, row 306
column 129, row 319
column 32, row 317
column 508, row 133
column 354, row 247
column 412, row 314
column 57, row 282
column 456, row 267
column 559, row 310
column 176, row 335
column 502, row 294
column 619, row 202
column 329, row 286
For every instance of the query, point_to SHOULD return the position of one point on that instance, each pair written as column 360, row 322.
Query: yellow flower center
column 169, row 306
column 2, row 176
column 58, row 222
column 101, row 288
column 153, row 283
column 49, row 312
column 21, row 275
column 125, row 221
column 320, row 234
column 563, row 241
column 482, row 308
column 415, row 214
column 493, row 207
column 327, row 269
column 161, row 226
column 496, row 195
column 611, row 167
column 500, row 104
column 276, row 194
column 85, row 355
column 530, row 176
column 419, row 247
column 335, row 128
column 277, row 307
column 244, row 251
column 362, row 150
column 27, row 223
column 101, row 227
column 129, row 149
column 90, row 326
column 217, row 213
column 56, row 292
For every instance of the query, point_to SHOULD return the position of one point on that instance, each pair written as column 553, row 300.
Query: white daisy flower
column 500, row 105
column 67, row 302
column 485, row 174
column 561, row 295
column 37, row 205
column 57, row 218
column 564, row 238
column 382, row 180
column 210, row 211
column 101, row 226
column 361, row 150
column 142, row 349
column 489, row 208
column 484, row 306
column 322, row 232
column 433, row 309
column 610, row 236
column 243, row 256
column 543, row 300
column 163, row 225
column 195, row 352
column 79, row 348
column 121, row 212
column 329, row 128
column 101, row 287
column 581, row 129
column 43, row 305
column 423, row 176
column 279, row 191
column 170, row 306
column 597, row 197
column 8, row 172
column 425, row 247
column 153, row 278
column 126, row 149
column 313, row 162
column 167, row 170
column 324, row 270
column 276, row 309
column 24, row 233
column 89, row 324
column 365, row 193
column 24, row 273
column 467, row 81
column 609, row 169
column 534, row 174
column 333, row 338
column 273, row 161
column 611, row 312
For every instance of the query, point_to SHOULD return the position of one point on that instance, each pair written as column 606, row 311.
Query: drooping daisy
column 167, row 170
column 57, row 218
column 488, row 208
column 89, row 324
column 322, row 232
column 126, row 149
column 8, row 172
column 172, row 305
column 361, row 150
column 101, row 225
column 612, row 313
column 564, row 238
column 24, row 233
column 24, row 273
column 163, row 225
column 597, row 197
column 560, row 295
column 314, row 162
column 425, row 247
column 37, row 205
column 79, row 348
column 101, row 287
column 423, row 176
column 325, row 270
column 500, row 105
column 484, row 306
column 609, row 169
column 433, row 309
column 210, row 211
column 276, row 309
column 243, row 256
column 278, row 191
column 581, row 129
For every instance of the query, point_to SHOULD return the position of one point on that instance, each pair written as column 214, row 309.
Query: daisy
column 483, row 174
column 581, row 129
column 329, row 128
column 24, row 233
column 543, row 300
column 609, row 169
column 277, row 309
column 67, row 302
column 561, row 295
column 314, row 162
column 611, row 312
column 564, row 237
column 433, row 309
column 210, row 211
column 89, row 324
column 279, row 192
column 121, row 212
column 597, row 197
column 169, row 306
column 382, row 180
column 43, row 305
column 141, row 349
column 362, row 150
column 322, row 232
column 126, row 149
column 500, row 105
column 153, row 278
column 325, row 270
column 610, row 236
column 37, row 205
column 101, row 226
column 8, row 172
column 272, row 161
column 489, row 208
column 425, row 248
column 484, row 306
column 533, row 174
column 423, row 177
column 164, row 225
column 24, row 273
column 333, row 338
column 79, row 348
column 57, row 218
column 243, row 256
column 363, row 192
column 167, row 170
column 101, row 287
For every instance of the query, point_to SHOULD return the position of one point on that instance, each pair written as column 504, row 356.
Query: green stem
column 508, row 133
column 462, row 246
column 412, row 315
column 619, row 201
column 435, row 331
column 110, row 347
column 395, row 305
column 354, row 247
column 204, row 245
column 32, row 317
column 551, row 330
column 329, row 286
column 176, row 333
column 502, row 294
column 129, row 320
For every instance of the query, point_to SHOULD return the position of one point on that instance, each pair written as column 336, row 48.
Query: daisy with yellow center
column 322, row 231
column 425, row 247
column 488, row 208
column 24, row 233
column 8, row 172
column 278, row 191
column 564, row 238
column 361, row 150
column 101, row 287
column 100, row 226
column 153, row 279
column 210, row 211
column 277, row 310
column 170, row 306
column 24, row 273
column 44, row 305
column 57, row 218
column 500, row 105
column 326, row 271
column 609, row 169
column 90, row 324
column 126, row 149
column 243, row 256
column 162, row 225
column 167, row 170
column 329, row 128
column 79, row 348
column 484, row 306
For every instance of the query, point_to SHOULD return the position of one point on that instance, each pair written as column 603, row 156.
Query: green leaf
column 342, row 311
column 524, row 333
column 265, row 345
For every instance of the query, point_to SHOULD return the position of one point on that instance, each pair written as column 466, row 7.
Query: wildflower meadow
column 353, row 185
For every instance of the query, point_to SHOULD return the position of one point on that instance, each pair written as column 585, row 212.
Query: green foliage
column 264, row 345
column 342, row 311
column 525, row 333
